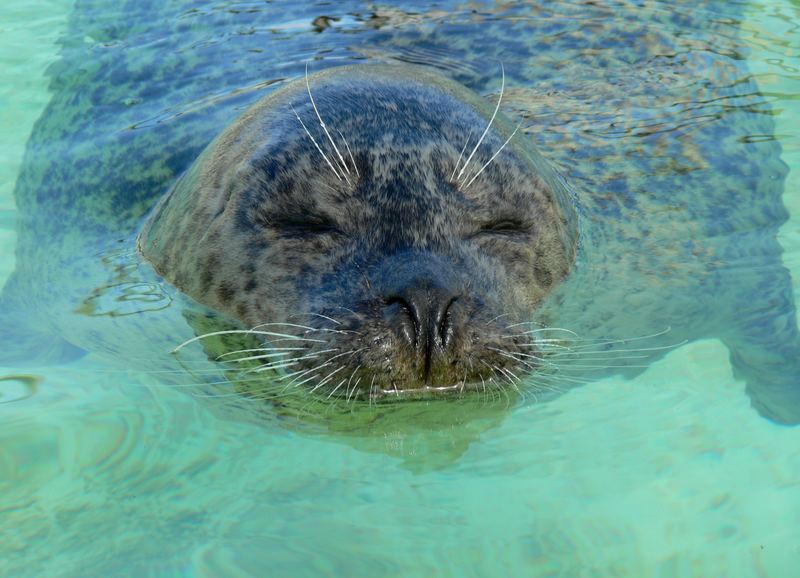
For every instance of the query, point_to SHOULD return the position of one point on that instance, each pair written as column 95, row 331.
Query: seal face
column 387, row 224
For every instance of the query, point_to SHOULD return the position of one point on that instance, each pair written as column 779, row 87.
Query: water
column 104, row 471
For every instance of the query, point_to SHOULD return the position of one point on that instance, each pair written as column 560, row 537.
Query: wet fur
column 233, row 232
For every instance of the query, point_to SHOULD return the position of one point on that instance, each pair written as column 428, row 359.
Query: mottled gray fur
column 234, row 232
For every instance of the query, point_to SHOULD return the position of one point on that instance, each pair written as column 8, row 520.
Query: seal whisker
column 611, row 353
column 244, row 331
column 252, row 357
column 348, row 382
column 372, row 390
column 335, row 389
column 585, row 350
column 349, row 152
column 270, row 393
column 312, row 355
column 305, row 327
column 547, row 361
column 545, row 329
column 306, row 380
column 490, row 390
column 565, row 378
column 351, row 377
column 301, row 373
column 591, row 342
column 331, row 319
column 349, row 391
column 537, row 323
column 488, row 126
column 492, row 158
column 461, row 154
column 277, row 365
column 313, row 140
column 218, row 383
column 353, row 352
column 580, row 366
column 496, row 317
column 285, row 324
column 287, row 349
column 346, row 309
column 327, row 378
column 514, row 376
column 546, row 386
column 511, row 355
column 500, row 371
column 560, row 356
column 288, row 375
column 310, row 372
column 295, row 338
column 547, row 342
column 504, row 390
column 497, row 388
column 325, row 128
column 542, row 345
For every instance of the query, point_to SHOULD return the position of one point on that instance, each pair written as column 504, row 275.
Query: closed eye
column 306, row 225
column 505, row 227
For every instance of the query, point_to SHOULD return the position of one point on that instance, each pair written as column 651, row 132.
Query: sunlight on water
column 107, row 472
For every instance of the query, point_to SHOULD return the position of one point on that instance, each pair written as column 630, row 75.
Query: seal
column 358, row 236
column 389, row 217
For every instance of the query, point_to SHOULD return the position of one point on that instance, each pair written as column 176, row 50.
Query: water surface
column 105, row 471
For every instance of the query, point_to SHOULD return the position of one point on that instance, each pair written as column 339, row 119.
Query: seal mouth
column 427, row 390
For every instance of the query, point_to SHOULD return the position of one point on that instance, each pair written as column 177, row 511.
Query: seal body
column 651, row 116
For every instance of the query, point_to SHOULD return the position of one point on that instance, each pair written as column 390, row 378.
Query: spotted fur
column 234, row 232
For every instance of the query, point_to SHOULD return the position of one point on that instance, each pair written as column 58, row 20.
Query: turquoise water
column 107, row 472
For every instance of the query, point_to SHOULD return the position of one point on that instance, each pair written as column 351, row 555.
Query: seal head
column 387, row 224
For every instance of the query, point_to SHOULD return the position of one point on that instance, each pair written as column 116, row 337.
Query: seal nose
column 421, row 315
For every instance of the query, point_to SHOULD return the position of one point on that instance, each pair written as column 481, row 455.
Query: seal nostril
column 424, row 317
column 446, row 324
column 406, row 317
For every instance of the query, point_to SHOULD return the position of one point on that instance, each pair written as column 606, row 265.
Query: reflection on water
column 18, row 387
column 124, row 293
column 132, row 461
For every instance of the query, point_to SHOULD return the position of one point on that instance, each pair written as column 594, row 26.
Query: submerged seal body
column 418, row 278
column 374, row 218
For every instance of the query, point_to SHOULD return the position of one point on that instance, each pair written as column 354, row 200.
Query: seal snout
column 424, row 299
column 423, row 317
